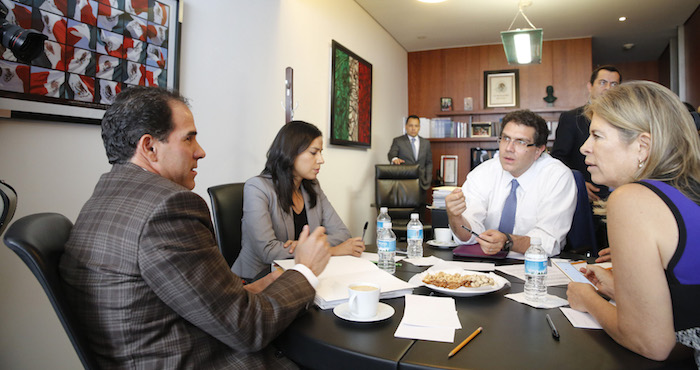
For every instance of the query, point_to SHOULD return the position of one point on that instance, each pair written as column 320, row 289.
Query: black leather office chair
column 581, row 237
column 8, row 204
column 397, row 187
column 39, row 240
column 227, row 207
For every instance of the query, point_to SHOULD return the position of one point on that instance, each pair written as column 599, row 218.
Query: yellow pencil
column 464, row 343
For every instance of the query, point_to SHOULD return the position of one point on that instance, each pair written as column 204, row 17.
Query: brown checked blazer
column 144, row 274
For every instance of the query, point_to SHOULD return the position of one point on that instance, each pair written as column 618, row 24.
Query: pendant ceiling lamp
column 523, row 46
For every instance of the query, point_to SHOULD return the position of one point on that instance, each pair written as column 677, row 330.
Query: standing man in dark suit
column 572, row 131
column 413, row 149
column 142, row 270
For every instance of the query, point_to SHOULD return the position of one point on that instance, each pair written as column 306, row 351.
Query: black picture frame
column 351, row 98
column 502, row 89
column 119, row 43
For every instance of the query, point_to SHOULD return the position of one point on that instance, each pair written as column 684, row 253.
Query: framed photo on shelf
column 94, row 50
column 501, row 89
column 351, row 98
column 449, row 169
column 480, row 129
column 445, row 104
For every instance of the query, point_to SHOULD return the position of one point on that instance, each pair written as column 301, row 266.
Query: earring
column 641, row 164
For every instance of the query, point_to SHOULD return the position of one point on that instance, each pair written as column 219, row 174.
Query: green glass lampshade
column 523, row 46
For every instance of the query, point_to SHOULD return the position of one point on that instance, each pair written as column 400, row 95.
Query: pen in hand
column 555, row 333
column 473, row 233
column 364, row 230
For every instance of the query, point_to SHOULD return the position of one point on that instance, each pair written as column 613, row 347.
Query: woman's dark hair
column 292, row 139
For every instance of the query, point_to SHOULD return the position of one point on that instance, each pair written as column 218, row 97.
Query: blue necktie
column 413, row 146
column 508, row 214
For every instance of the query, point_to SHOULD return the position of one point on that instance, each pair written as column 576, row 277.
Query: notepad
column 342, row 271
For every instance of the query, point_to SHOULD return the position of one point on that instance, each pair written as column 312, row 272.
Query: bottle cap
column 535, row 240
column 383, row 209
column 414, row 216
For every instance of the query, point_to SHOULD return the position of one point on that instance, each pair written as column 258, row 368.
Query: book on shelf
column 342, row 271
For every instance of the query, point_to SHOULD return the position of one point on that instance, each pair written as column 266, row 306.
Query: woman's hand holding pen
column 351, row 247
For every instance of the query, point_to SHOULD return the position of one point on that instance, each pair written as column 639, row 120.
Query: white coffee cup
column 443, row 235
column 364, row 299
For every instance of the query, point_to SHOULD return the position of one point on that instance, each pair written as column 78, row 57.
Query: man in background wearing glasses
column 522, row 193
column 572, row 131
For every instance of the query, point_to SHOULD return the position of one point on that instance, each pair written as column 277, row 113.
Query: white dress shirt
column 546, row 200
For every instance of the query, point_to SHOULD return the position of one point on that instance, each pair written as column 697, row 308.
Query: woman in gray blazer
column 285, row 197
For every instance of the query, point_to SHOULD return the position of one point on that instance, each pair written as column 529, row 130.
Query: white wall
column 55, row 166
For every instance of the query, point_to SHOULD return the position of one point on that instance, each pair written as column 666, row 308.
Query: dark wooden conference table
column 514, row 336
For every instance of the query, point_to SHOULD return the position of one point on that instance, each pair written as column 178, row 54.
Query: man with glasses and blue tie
column 522, row 193
column 572, row 131
column 413, row 149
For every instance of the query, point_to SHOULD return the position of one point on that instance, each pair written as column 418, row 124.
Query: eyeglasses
column 603, row 83
column 518, row 143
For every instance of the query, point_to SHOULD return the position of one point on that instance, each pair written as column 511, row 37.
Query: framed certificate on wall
column 501, row 89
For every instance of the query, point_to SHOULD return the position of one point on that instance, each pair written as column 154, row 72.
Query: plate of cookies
column 460, row 283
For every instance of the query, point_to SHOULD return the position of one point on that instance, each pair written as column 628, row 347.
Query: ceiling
column 456, row 23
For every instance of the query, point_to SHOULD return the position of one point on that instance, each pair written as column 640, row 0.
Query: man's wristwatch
column 508, row 244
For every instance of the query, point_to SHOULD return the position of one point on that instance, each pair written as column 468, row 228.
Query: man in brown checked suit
column 142, row 269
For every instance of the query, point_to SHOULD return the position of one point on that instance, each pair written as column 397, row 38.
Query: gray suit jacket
column 145, row 277
column 401, row 148
column 266, row 227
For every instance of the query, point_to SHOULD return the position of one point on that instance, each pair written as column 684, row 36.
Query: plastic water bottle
column 415, row 237
column 535, row 271
column 386, row 248
column 382, row 218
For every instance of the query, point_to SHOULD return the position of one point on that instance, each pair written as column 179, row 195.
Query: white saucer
column 384, row 311
column 439, row 244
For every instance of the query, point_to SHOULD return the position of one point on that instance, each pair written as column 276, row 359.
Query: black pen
column 473, row 233
column 555, row 333
column 364, row 231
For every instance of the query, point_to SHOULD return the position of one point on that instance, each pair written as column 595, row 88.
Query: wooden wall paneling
column 571, row 68
column 691, row 30
column 460, row 80
column 534, row 79
column 425, row 80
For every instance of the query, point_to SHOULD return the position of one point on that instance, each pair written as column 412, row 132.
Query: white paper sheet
column 554, row 275
column 375, row 257
column 552, row 301
column 425, row 333
column 425, row 261
column 429, row 318
column 578, row 319
column 431, row 311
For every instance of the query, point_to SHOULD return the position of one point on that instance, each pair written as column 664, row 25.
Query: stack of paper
column 439, row 195
column 429, row 318
column 342, row 271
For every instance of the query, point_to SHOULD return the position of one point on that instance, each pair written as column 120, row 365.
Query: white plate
column 384, row 311
column 461, row 291
column 440, row 244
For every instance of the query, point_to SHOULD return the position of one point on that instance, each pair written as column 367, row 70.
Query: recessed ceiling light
column 627, row 46
column 431, row 1
column 622, row 19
